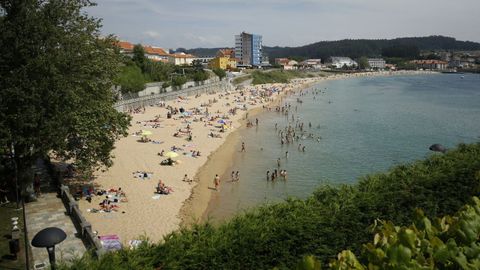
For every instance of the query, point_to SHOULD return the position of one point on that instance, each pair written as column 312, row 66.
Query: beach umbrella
column 437, row 148
column 146, row 132
column 171, row 154
column 221, row 121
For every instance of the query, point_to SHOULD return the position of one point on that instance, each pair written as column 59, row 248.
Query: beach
column 142, row 212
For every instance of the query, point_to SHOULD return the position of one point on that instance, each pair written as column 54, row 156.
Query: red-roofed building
column 125, row 47
column 156, row 54
column 430, row 64
column 230, row 53
column 180, row 59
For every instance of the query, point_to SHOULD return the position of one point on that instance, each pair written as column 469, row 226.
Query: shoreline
column 155, row 216
column 199, row 202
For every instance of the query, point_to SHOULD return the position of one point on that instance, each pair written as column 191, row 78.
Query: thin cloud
column 213, row 23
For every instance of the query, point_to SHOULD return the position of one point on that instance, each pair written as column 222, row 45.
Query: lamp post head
column 48, row 237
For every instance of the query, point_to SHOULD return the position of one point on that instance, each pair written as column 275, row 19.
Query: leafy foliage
column 131, row 79
column 363, row 63
column 220, row 73
column 139, row 57
column 276, row 76
column 56, row 75
column 444, row 243
column 179, row 81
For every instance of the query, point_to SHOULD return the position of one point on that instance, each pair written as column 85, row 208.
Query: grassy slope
column 331, row 220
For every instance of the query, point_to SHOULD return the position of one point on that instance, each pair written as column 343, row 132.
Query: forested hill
column 370, row 47
column 358, row 47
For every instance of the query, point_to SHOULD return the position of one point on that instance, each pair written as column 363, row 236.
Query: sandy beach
column 142, row 211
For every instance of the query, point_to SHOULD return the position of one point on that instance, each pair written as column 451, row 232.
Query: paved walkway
column 49, row 211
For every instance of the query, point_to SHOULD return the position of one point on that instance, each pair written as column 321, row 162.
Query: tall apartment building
column 248, row 49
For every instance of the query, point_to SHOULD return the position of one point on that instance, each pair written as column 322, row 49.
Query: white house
column 312, row 63
column 156, row 54
column 340, row 62
column 180, row 59
column 377, row 63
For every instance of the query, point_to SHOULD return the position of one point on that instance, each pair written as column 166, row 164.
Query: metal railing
column 150, row 100
column 80, row 222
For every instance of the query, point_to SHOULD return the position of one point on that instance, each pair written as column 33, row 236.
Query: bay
column 366, row 125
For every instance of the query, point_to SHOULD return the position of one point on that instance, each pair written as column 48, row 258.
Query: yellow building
column 219, row 62
column 223, row 63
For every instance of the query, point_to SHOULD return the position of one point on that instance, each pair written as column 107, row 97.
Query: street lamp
column 48, row 238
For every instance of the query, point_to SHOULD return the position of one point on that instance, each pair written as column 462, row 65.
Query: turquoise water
column 367, row 125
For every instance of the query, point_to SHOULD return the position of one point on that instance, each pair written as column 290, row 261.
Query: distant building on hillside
column 180, row 59
column 156, row 54
column 125, row 47
column 340, row 62
column 230, row 53
column 311, row 63
column 286, row 63
column 430, row 64
column 223, row 63
column 203, row 59
column 376, row 63
column 248, row 49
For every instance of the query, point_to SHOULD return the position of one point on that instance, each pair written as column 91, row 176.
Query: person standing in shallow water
column 216, row 181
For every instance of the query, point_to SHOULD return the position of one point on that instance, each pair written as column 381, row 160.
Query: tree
column 56, row 75
column 179, row 81
column 363, row 63
column 131, row 79
column 139, row 56
column 220, row 73
column 158, row 71
column 199, row 76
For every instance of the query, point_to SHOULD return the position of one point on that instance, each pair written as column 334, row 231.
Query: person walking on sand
column 233, row 176
column 216, row 181
column 243, row 147
column 237, row 176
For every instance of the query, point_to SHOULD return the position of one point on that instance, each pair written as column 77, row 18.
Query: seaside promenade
column 49, row 211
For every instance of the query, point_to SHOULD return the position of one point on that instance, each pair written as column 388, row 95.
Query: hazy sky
column 213, row 23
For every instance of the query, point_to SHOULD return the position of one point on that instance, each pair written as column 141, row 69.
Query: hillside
column 357, row 47
column 369, row 47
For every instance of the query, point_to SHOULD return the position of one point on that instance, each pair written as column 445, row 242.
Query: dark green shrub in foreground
column 442, row 243
column 333, row 219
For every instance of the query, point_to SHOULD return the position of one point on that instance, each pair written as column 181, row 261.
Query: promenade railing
column 125, row 105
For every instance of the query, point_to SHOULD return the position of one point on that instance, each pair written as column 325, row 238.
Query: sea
column 359, row 126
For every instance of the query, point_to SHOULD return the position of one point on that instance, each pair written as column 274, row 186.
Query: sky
column 213, row 23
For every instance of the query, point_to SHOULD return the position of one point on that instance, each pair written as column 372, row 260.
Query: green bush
column 276, row 76
column 220, row 73
column 332, row 219
column 131, row 79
